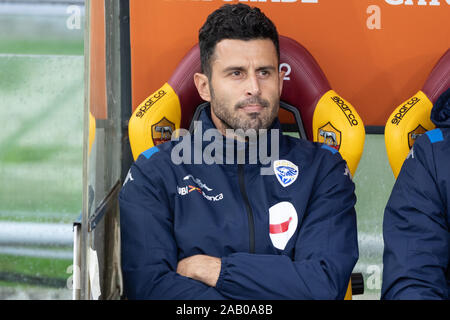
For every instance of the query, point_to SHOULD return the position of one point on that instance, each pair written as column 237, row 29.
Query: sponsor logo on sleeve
column 199, row 187
column 128, row 178
column 283, row 221
column 410, row 154
column 347, row 172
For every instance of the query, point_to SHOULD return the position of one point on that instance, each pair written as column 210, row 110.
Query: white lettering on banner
column 419, row 2
column 214, row 153
column 374, row 20
column 74, row 20
column 73, row 282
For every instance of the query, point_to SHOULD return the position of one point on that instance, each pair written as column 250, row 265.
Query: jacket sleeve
column 415, row 231
column 148, row 247
column 326, row 250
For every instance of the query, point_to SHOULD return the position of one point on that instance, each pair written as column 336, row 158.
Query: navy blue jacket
column 416, row 219
column 278, row 237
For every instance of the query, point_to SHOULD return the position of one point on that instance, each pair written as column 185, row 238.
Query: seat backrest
column 308, row 104
column 411, row 119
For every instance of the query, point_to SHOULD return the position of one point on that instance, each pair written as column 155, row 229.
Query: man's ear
column 202, row 84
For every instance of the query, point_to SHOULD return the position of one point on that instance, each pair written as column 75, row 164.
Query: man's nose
column 253, row 86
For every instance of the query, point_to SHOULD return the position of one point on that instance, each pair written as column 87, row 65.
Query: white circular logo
column 283, row 220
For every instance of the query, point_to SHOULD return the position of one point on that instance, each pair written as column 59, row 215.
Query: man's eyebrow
column 270, row 68
column 240, row 68
column 233, row 68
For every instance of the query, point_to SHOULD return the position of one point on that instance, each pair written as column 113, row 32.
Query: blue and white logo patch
column 285, row 171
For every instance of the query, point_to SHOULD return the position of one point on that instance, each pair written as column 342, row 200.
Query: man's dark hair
column 237, row 22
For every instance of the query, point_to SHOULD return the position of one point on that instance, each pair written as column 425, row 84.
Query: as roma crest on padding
column 162, row 131
column 285, row 171
column 413, row 135
column 329, row 135
column 283, row 221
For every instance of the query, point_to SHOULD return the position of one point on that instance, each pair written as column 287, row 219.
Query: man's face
column 245, row 84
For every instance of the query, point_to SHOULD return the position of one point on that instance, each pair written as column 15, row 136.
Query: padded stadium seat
column 412, row 118
column 308, row 104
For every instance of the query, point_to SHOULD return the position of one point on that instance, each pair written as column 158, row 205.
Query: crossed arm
column 316, row 271
column 200, row 267
column 326, row 251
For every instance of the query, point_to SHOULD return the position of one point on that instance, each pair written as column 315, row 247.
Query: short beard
column 255, row 120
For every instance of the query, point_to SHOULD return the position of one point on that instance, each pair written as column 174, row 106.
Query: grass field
column 41, row 112
column 41, row 137
column 40, row 46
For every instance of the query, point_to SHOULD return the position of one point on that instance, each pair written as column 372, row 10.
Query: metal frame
column 97, row 235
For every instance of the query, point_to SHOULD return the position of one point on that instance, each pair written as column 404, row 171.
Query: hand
column 201, row 267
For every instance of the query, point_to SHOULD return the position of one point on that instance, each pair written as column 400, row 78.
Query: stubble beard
column 230, row 118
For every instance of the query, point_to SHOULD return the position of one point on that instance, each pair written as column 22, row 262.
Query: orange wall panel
column 374, row 69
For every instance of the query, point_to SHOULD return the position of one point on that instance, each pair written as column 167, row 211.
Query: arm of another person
column 415, row 231
column 149, row 250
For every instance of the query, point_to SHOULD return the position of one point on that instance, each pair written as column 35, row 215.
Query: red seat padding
column 306, row 85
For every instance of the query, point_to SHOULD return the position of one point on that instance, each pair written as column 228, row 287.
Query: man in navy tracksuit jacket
column 225, row 230
column 416, row 221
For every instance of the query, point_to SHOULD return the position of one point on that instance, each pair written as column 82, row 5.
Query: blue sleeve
column 415, row 231
column 326, row 250
column 148, row 248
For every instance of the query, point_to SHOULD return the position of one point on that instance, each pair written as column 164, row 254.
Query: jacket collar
column 228, row 151
column 440, row 114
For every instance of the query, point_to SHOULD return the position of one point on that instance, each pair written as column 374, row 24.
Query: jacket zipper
column 251, row 224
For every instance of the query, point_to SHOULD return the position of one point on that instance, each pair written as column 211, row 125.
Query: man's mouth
column 252, row 108
column 253, row 105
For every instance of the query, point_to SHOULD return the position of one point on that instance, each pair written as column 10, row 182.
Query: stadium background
column 42, row 99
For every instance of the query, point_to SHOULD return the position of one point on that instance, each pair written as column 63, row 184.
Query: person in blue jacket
column 417, row 217
column 227, row 229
